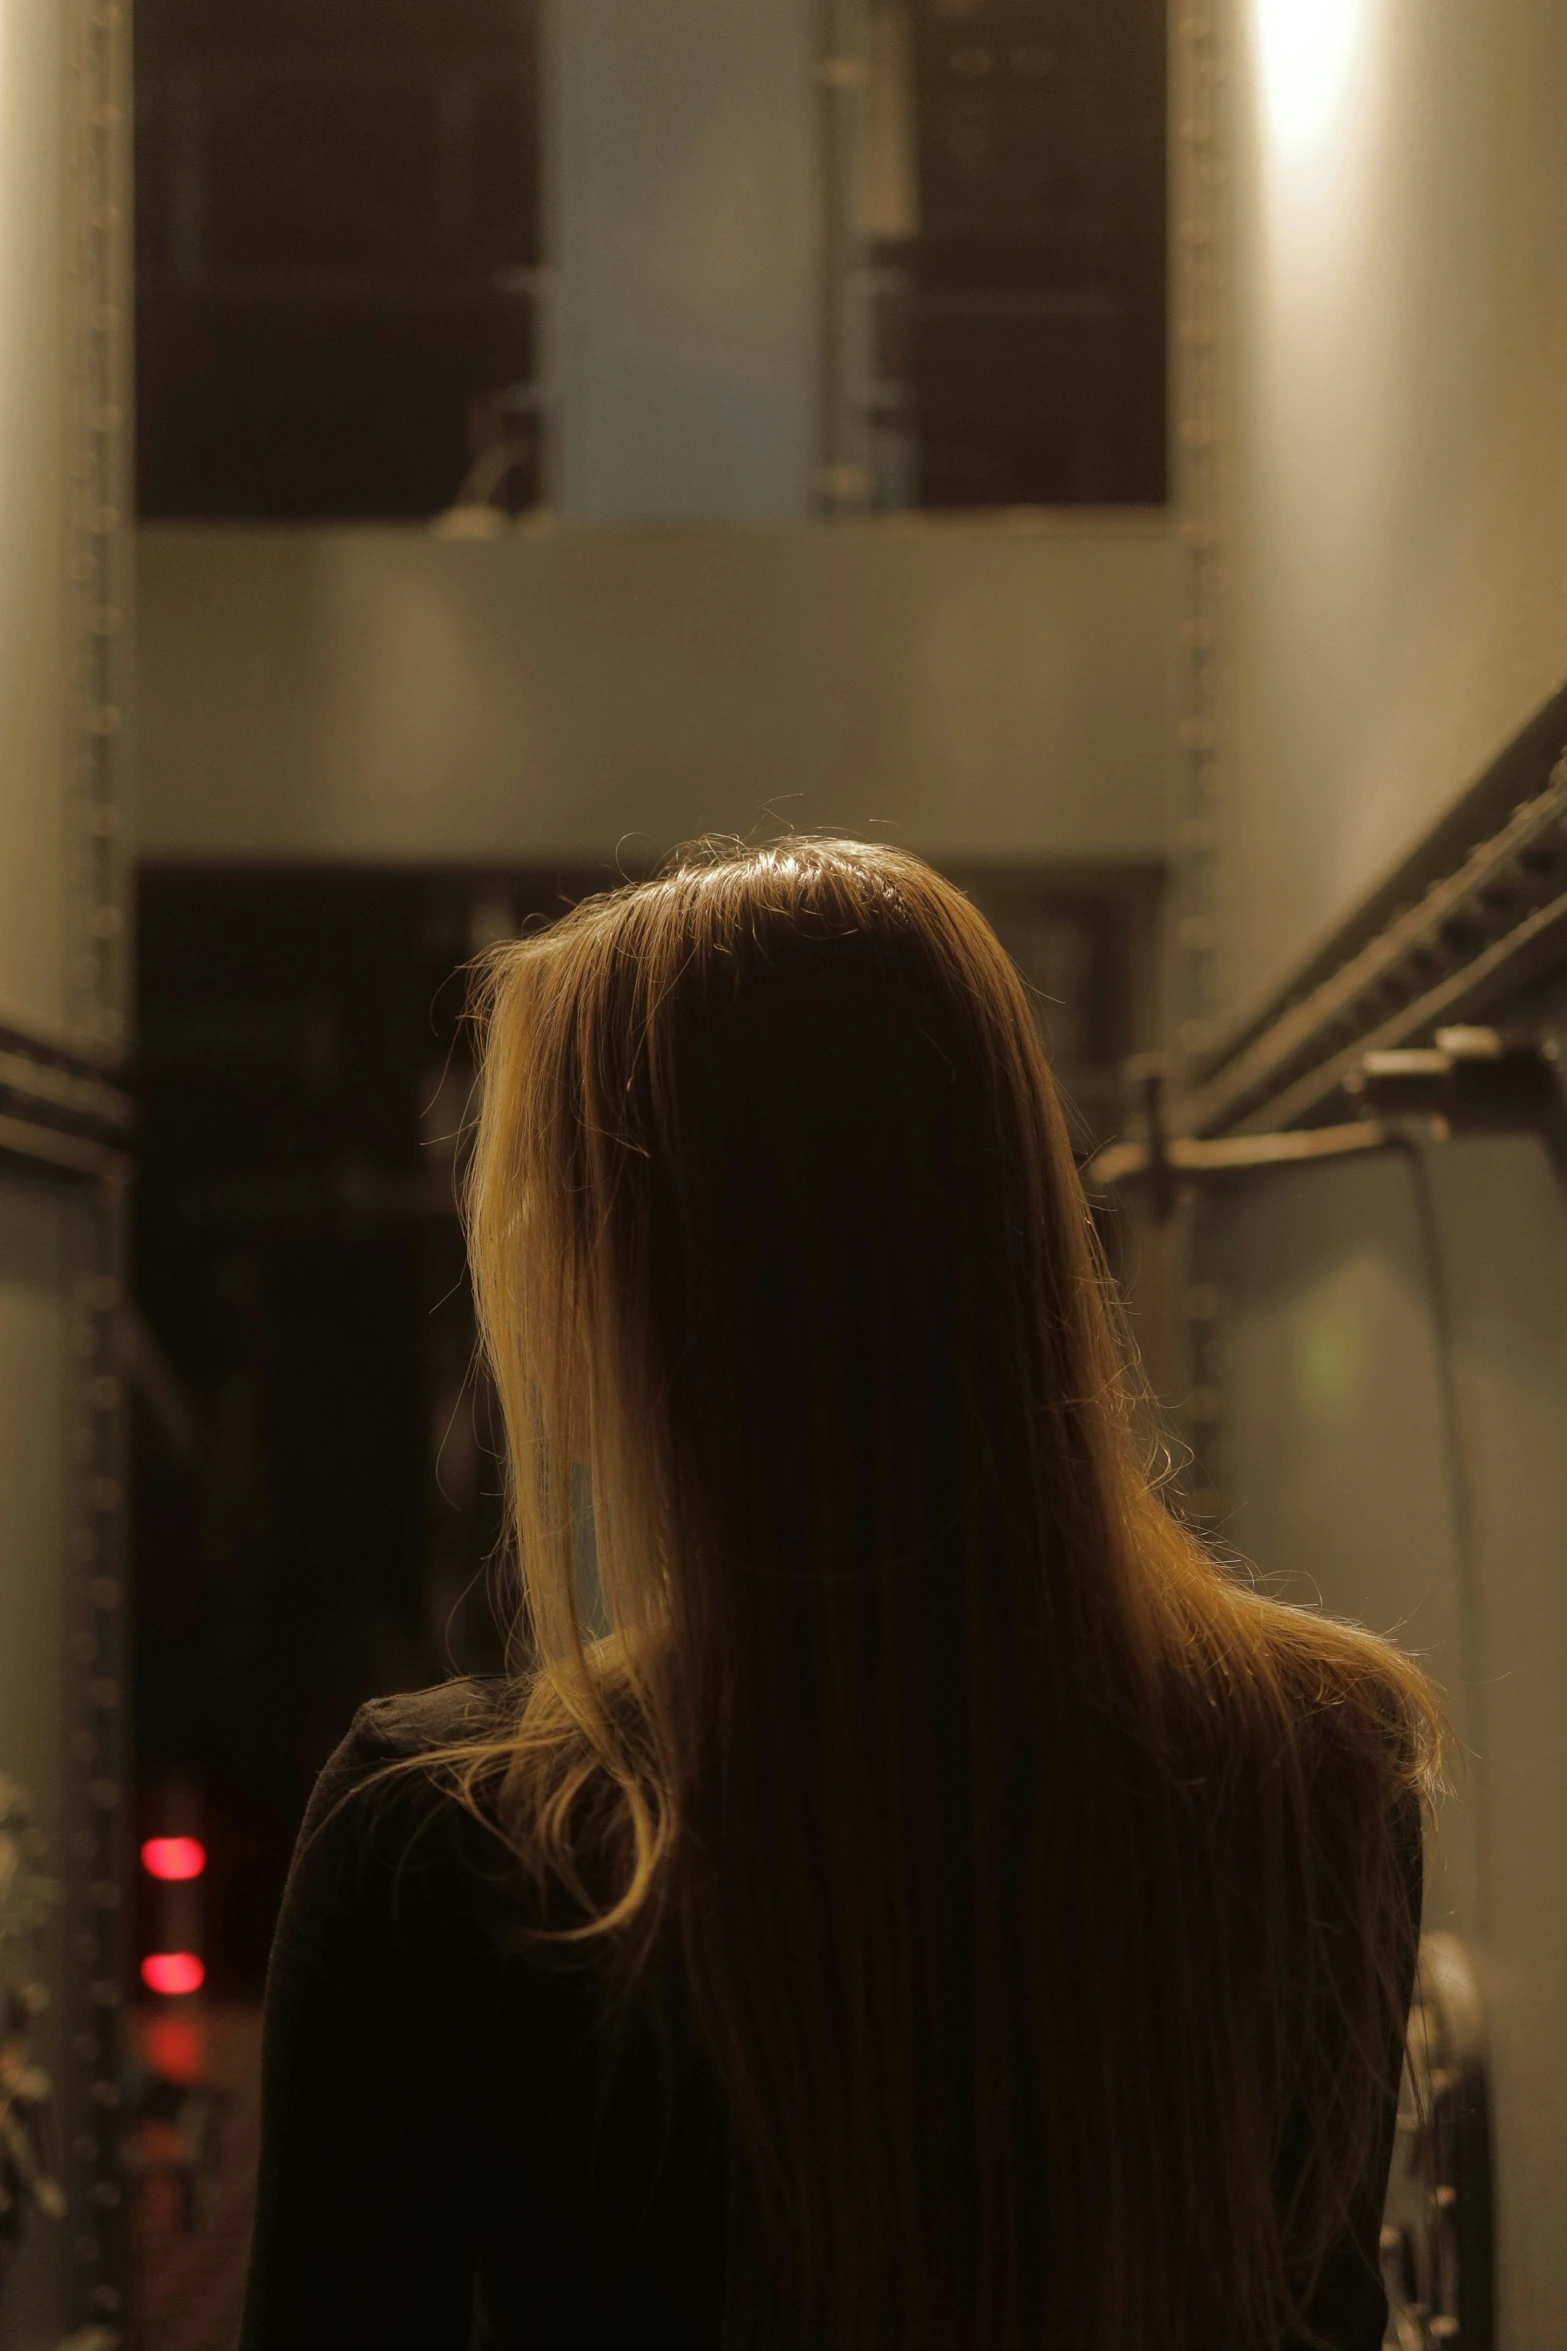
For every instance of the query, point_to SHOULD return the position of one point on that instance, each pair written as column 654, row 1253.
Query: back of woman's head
column 1027, row 1872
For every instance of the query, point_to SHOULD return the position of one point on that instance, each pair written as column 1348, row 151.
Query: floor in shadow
column 196, row 2144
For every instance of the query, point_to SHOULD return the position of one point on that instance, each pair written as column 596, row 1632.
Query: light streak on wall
column 1308, row 52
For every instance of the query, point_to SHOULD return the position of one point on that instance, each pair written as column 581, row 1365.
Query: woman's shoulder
column 390, row 1818
column 409, row 1931
column 414, row 1723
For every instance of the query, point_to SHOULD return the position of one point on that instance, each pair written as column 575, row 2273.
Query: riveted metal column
column 65, row 597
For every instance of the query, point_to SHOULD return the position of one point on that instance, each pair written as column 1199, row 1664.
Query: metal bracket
column 60, row 1112
column 1468, row 1080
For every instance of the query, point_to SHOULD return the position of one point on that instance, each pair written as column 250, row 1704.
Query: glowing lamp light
column 1307, row 52
column 172, row 1972
column 174, row 1857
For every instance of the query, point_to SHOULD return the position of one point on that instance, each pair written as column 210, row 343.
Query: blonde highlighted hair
column 1037, row 1882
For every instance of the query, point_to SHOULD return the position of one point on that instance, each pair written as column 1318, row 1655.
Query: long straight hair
column 1032, row 1874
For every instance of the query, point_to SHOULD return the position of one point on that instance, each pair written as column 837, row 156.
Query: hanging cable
column 1461, row 1501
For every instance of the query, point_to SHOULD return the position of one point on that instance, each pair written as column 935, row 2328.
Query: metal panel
column 1391, row 1373
column 1332, row 1450
column 1500, row 1222
column 34, row 434
column 64, row 438
column 64, row 584
column 34, row 1380
column 62, row 1690
column 981, row 690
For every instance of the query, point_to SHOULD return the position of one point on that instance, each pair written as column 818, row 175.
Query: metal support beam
column 1470, row 1078
column 1497, row 922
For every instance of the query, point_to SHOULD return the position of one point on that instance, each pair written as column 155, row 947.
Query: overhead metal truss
column 1420, row 987
column 1475, row 939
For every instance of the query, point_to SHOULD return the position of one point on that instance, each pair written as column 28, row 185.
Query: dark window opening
column 1019, row 312
column 337, row 255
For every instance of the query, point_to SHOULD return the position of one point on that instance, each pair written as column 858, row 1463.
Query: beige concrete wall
column 34, row 432
column 971, row 688
column 1394, row 439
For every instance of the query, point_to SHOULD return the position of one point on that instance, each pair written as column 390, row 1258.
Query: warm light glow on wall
column 1307, row 50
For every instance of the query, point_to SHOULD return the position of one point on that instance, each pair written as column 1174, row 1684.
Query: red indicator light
column 174, row 1857
column 173, row 1971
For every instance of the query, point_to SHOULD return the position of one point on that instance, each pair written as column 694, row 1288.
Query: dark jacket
column 456, row 2153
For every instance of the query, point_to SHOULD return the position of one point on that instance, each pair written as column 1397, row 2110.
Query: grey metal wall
column 1391, row 1373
